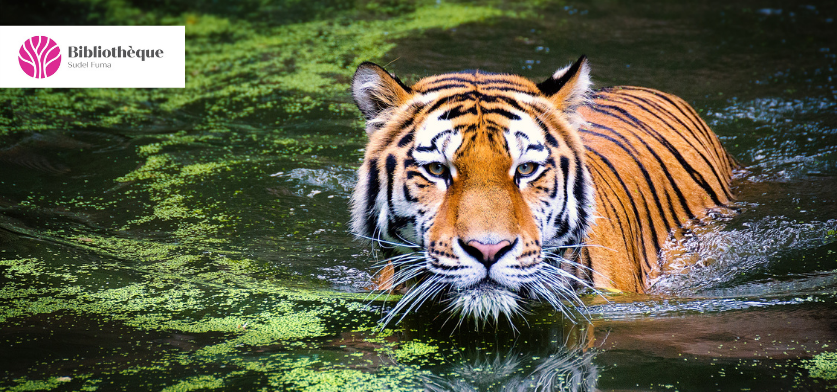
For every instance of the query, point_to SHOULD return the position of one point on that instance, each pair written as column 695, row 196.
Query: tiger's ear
column 375, row 92
column 569, row 87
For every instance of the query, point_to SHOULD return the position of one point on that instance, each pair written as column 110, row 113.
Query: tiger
column 492, row 192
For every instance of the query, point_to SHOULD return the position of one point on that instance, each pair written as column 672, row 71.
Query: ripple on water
column 345, row 278
column 681, row 306
column 333, row 179
column 716, row 255
column 770, row 110
column 781, row 140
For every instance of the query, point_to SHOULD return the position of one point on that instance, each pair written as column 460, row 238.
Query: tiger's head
column 480, row 179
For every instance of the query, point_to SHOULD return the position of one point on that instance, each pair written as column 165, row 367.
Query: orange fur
column 626, row 244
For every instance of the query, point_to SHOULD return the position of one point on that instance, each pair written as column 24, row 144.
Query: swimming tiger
column 499, row 191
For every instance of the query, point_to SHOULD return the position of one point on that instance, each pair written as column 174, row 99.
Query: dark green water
column 197, row 239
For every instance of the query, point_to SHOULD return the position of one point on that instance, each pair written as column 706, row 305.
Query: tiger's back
column 655, row 164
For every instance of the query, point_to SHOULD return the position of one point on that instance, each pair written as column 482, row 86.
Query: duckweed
column 35, row 385
column 411, row 350
column 196, row 383
column 824, row 366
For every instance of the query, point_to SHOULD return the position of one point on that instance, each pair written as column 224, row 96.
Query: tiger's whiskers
column 427, row 289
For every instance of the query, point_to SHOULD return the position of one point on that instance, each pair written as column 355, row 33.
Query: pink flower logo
column 39, row 57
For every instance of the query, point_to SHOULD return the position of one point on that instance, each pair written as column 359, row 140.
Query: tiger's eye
column 525, row 169
column 436, row 169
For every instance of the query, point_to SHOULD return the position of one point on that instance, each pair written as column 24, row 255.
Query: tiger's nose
column 487, row 254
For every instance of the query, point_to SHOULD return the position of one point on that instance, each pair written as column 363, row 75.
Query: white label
column 93, row 56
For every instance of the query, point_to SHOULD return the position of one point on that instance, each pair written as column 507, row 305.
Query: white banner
column 93, row 56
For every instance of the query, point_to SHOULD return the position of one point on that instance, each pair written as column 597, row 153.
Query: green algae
column 158, row 304
column 22, row 266
column 196, row 383
column 412, row 350
column 36, row 385
column 339, row 379
column 824, row 366
column 153, row 306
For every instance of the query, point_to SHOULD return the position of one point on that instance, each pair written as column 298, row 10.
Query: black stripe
column 409, row 196
column 627, row 143
column 406, row 140
column 395, row 225
column 457, row 112
column 471, row 96
column 713, row 140
column 653, row 189
column 395, row 222
column 694, row 174
column 408, row 122
column 488, row 78
column 452, row 78
column 373, row 187
column 695, row 119
column 445, row 87
column 565, row 224
column 691, row 131
column 508, row 101
column 502, row 112
column 706, row 132
column 436, row 105
column 562, row 227
column 506, row 89
column 609, row 203
column 390, row 166
column 633, row 206
column 578, row 192
column 493, row 126
column 550, row 140
column 410, row 113
column 565, row 171
column 438, row 135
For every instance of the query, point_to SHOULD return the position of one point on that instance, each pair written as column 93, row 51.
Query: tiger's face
column 480, row 179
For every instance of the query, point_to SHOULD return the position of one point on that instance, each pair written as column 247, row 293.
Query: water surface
column 197, row 239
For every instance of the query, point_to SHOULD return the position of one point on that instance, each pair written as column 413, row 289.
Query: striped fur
column 499, row 191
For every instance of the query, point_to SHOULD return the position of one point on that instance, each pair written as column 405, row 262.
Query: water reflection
column 550, row 354
column 562, row 369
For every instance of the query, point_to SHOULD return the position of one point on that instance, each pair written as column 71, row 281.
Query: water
column 197, row 239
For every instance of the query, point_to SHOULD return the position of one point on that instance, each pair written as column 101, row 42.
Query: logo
column 92, row 57
column 39, row 57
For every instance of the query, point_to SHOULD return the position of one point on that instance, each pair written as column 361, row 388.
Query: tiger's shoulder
column 655, row 165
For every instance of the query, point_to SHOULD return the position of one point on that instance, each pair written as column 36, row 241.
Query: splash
column 713, row 255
